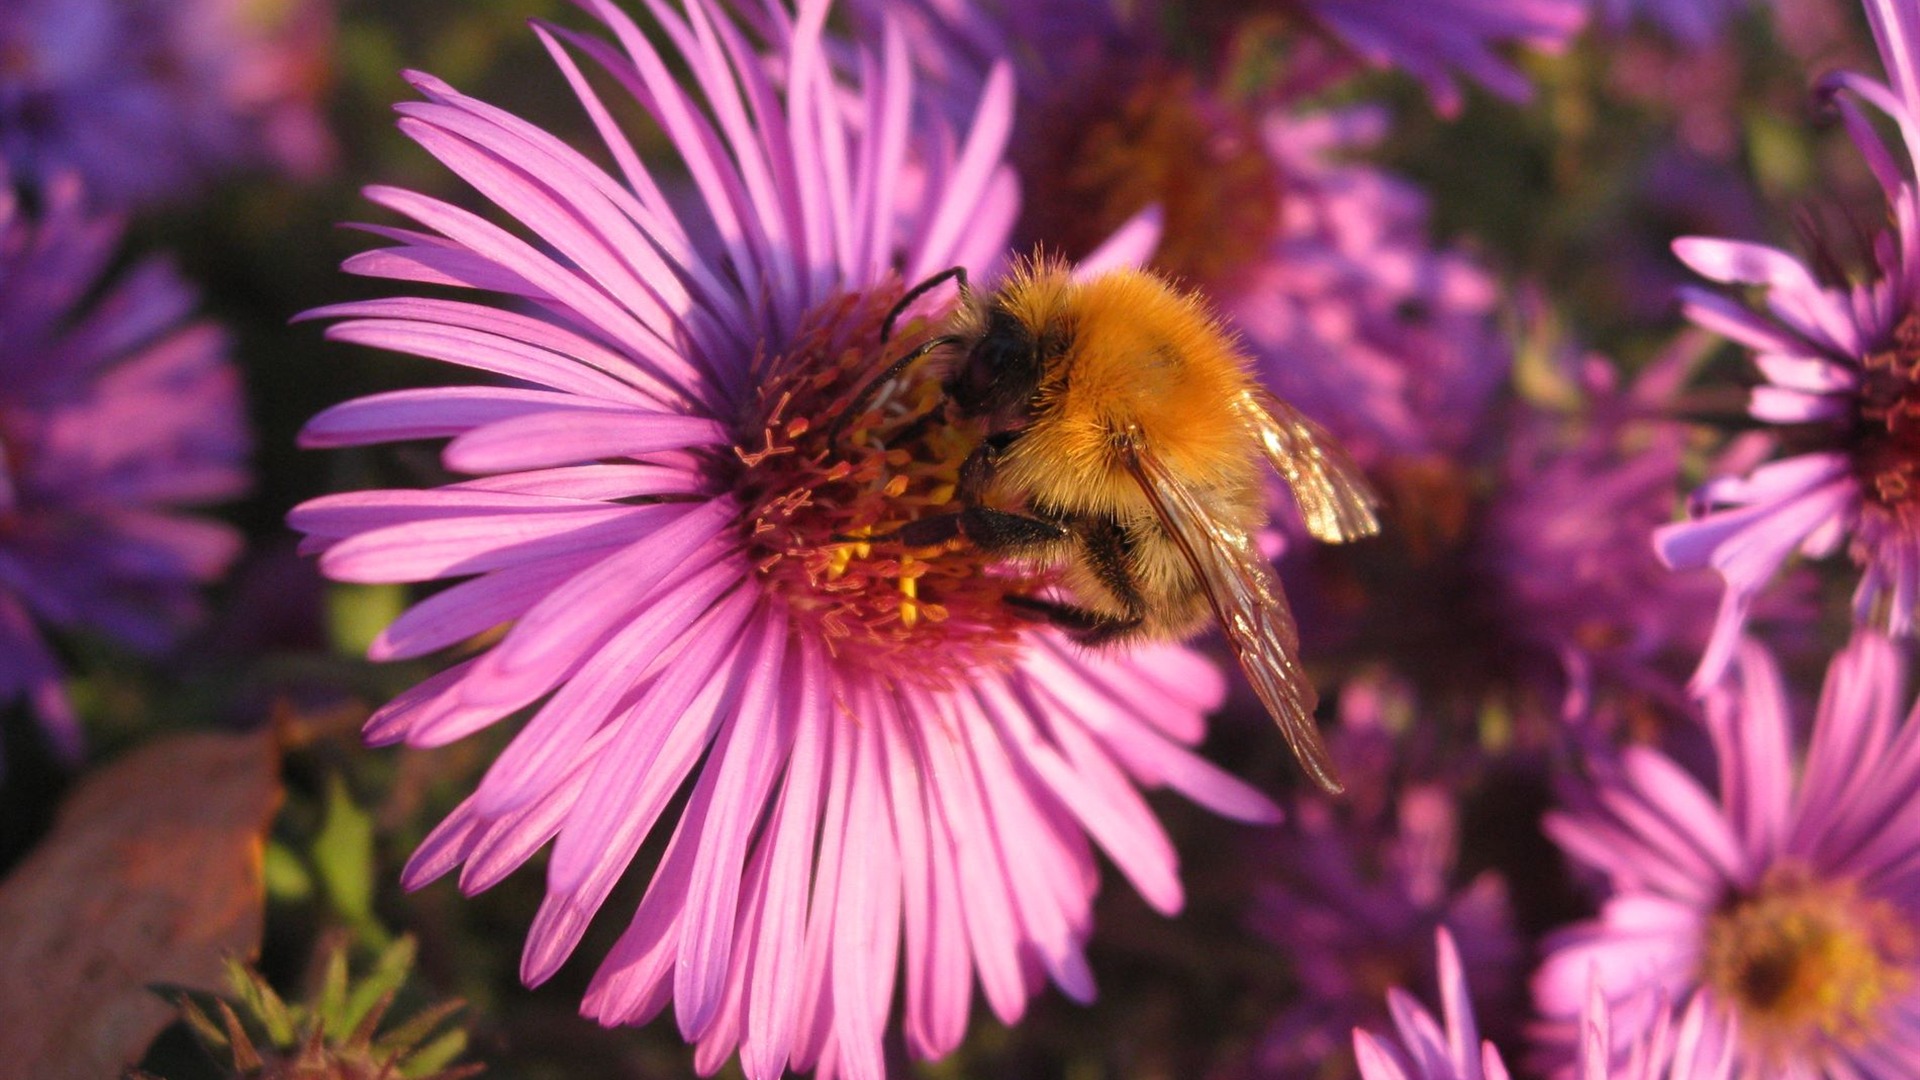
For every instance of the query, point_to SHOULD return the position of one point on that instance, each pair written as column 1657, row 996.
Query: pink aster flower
column 1842, row 363
column 1451, row 1049
column 888, row 776
column 148, row 99
column 1435, row 41
column 1783, row 902
column 116, row 409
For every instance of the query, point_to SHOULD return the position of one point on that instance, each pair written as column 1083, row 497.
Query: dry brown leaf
column 150, row 875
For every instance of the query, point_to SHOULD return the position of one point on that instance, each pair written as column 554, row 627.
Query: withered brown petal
column 152, row 874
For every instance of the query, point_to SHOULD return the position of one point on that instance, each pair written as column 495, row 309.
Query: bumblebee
column 1124, row 443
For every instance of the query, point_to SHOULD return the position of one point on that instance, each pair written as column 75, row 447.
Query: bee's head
column 1001, row 369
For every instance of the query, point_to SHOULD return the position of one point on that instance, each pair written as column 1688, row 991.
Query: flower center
column 1134, row 138
column 1805, row 960
column 1886, row 450
column 818, row 481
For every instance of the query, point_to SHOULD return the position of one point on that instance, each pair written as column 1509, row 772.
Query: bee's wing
column 1333, row 496
column 1247, row 600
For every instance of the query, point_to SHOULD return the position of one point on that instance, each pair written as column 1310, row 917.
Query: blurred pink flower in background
column 878, row 750
column 116, row 410
column 1437, row 42
column 1350, row 893
column 1521, row 591
column 151, row 99
column 1784, row 903
column 1355, row 315
column 1564, row 548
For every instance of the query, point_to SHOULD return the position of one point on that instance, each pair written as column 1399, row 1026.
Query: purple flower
column 1785, row 906
column 148, row 99
column 1521, row 590
column 957, row 43
column 1451, row 1049
column 877, row 754
column 1691, row 22
column 115, row 410
column 1564, row 541
column 1435, row 39
column 1842, row 365
column 1353, row 896
column 1357, row 319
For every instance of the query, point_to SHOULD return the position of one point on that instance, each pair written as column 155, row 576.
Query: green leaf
column 286, row 876
column 419, row 1028
column 333, row 990
column 343, row 855
column 436, row 1055
column 260, row 1002
column 357, row 613
column 388, row 973
column 209, row 1033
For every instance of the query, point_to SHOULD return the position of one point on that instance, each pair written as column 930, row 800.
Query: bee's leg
column 954, row 273
column 976, row 472
column 868, row 392
column 990, row 530
column 1084, row 625
column 1109, row 550
column 1107, row 547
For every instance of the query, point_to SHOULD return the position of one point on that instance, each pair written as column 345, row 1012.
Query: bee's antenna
column 956, row 273
column 893, row 370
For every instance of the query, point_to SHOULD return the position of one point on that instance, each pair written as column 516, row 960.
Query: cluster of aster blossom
column 894, row 784
column 1759, row 920
column 119, row 409
column 819, row 786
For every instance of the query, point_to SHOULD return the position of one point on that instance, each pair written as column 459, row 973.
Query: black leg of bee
column 905, row 436
column 1084, row 625
column 957, row 273
column 865, row 397
column 926, row 532
column 1108, row 547
column 978, row 469
column 990, row 530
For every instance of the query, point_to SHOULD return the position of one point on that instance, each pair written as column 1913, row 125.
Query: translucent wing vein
column 1249, row 604
column 1333, row 496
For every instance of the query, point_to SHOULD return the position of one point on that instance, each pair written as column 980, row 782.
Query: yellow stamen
column 821, row 485
column 1807, row 961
